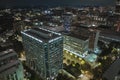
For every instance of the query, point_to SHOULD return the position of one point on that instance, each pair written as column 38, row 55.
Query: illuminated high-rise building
column 67, row 19
column 10, row 67
column 93, row 40
column 117, row 13
column 44, row 51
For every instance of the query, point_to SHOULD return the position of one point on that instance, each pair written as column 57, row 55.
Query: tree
column 64, row 66
column 77, row 65
column 68, row 61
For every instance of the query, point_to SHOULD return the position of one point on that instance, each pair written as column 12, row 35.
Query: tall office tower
column 10, row 67
column 67, row 19
column 117, row 13
column 44, row 51
column 117, row 7
column 93, row 40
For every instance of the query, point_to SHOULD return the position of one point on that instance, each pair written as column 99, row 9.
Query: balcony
column 7, row 56
column 9, row 67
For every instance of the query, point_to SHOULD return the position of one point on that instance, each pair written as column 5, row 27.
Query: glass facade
column 46, row 55
column 78, row 46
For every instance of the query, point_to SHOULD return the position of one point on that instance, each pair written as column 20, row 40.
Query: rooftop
column 113, row 70
column 78, row 36
column 6, row 52
column 9, row 66
column 41, row 34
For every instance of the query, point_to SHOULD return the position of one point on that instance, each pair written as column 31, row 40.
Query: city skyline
column 34, row 3
column 59, row 40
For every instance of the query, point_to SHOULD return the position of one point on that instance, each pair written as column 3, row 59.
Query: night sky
column 77, row 3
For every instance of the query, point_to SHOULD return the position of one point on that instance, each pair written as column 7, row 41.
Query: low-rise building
column 10, row 67
column 76, row 44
